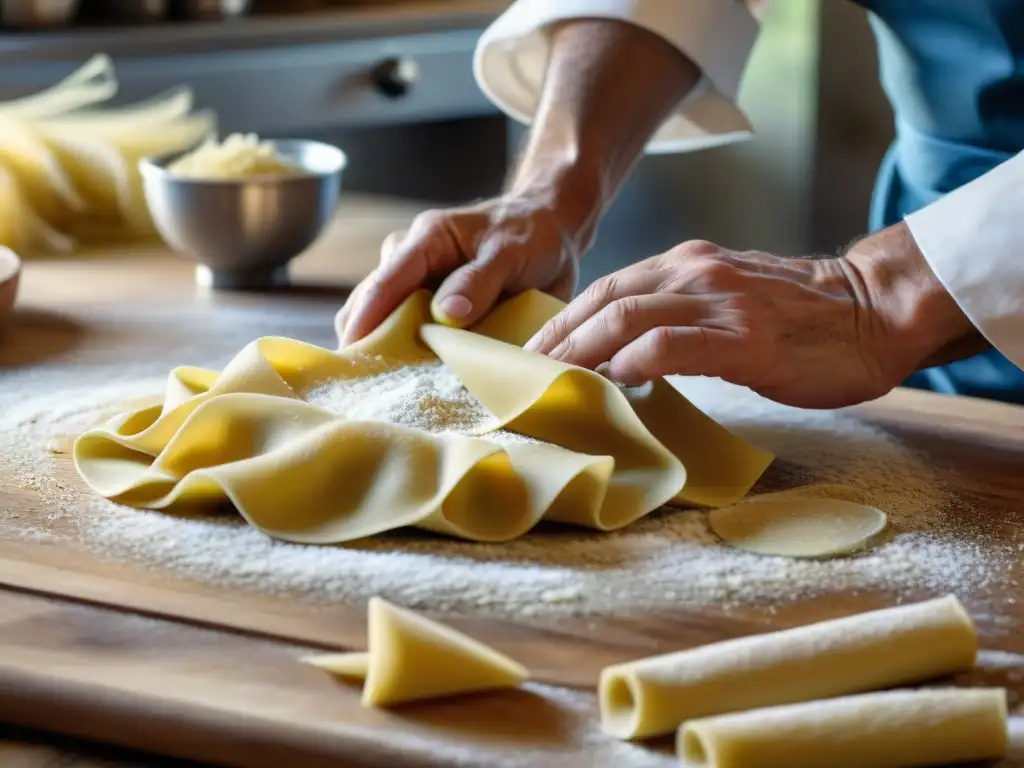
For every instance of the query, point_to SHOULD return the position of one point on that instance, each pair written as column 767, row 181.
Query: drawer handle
column 394, row 77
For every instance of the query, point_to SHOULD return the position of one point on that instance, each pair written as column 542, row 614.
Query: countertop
column 978, row 445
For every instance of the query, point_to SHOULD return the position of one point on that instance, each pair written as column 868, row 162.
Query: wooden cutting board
column 236, row 700
column 120, row 654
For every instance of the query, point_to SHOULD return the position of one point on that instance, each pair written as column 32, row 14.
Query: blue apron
column 954, row 73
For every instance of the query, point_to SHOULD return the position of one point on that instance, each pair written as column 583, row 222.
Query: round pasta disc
column 810, row 528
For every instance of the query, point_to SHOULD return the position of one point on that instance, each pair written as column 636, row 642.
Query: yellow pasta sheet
column 412, row 658
column 301, row 473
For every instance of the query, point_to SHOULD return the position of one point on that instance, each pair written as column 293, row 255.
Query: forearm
column 608, row 87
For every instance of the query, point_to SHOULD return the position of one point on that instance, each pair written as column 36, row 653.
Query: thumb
column 471, row 291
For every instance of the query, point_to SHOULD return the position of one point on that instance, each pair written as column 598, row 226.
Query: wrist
column 917, row 311
column 569, row 189
column 592, row 120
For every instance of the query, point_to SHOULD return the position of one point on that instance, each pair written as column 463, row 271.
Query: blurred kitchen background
column 390, row 82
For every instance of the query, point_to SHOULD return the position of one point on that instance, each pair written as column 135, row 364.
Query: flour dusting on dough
column 425, row 396
column 667, row 561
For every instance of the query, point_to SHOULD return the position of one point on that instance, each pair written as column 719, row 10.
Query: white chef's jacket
column 973, row 238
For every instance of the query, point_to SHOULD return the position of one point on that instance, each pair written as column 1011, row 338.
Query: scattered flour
column 426, row 396
column 669, row 559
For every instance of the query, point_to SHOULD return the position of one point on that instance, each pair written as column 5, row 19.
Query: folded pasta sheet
column 592, row 454
column 412, row 658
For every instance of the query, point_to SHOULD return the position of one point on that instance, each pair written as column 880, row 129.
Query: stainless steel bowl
column 244, row 232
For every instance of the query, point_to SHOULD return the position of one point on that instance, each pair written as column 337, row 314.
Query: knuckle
column 704, row 344
column 389, row 248
column 491, row 247
column 378, row 285
column 619, row 316
column 601, row 291
column 558, row 328
column 569, row 346
column 660, row 342
column 700, row 248
column 546, row 339
column 429, row 220
column 715, row 273
column 472, row 274
column 557, row 334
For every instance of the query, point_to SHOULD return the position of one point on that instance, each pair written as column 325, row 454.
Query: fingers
column 601, row 336
column 472, row 290
column 387, row 251
column 683, row 350
column 378, row 296
column 342, row 317
column 637, row 280
column 472, row 255
column 391, row 244
column 407, row 262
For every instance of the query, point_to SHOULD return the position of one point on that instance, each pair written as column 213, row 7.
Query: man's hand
column 590, row 128
column 813, row 333
column 476, row 254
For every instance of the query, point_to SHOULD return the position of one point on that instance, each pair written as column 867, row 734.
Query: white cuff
column 717, row 35
column 973, row 239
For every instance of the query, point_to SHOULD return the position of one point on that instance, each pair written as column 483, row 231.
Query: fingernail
column 455, row 307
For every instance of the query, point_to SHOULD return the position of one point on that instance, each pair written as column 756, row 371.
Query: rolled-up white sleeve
column 717, row 35
column 973, row 239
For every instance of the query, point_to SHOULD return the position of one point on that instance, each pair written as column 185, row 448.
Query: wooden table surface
column 980, row 445
column 149, row 273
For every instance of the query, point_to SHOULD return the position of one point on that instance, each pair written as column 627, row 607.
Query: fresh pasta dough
column 884, row 648
column 412, row 658
column 896, row 729
column 820, row 527
column 601, row 457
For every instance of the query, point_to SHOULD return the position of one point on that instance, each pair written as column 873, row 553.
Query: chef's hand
column 475, row 255
column 590, row 127
column 813, row 333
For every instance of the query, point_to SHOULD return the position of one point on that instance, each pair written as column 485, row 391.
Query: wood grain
column 240, row 701
column 119, row 653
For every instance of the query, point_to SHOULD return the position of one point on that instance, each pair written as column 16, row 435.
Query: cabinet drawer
column 312, row 86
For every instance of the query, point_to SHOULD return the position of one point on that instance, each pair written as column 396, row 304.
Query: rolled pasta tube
column 879, row 649
column 896, row 729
